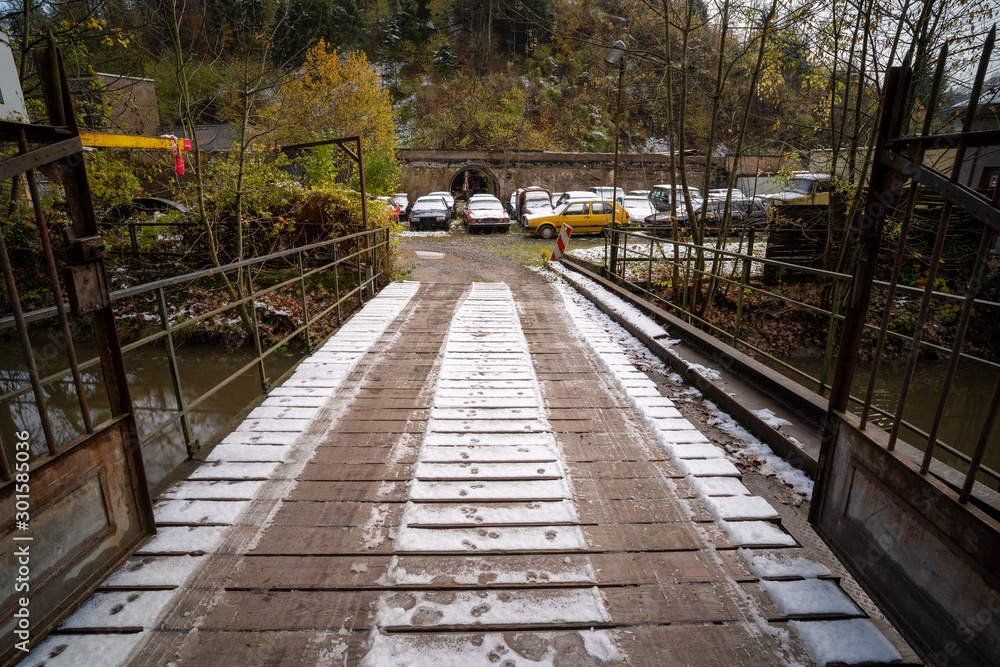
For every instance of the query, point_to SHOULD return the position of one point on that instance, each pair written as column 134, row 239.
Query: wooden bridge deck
column 463, row 475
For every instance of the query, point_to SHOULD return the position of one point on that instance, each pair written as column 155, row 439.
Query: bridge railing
column 647, row 264
column 357, row 265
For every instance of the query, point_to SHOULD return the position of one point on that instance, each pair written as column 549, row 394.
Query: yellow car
column 585, row 217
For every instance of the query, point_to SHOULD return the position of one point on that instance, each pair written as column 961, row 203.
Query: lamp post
column 615, row 56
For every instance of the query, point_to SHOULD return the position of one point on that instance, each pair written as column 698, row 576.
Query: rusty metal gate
column 71, row 508
column 919, row 522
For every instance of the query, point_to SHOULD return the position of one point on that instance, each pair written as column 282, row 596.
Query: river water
column 201, row 367
column 965, row 409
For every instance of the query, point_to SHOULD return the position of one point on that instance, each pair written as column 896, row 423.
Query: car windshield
column 536, row 198
column 428, row 205
column 802, row 185
column 399, row 199
column 635, row 202
column 482, row 205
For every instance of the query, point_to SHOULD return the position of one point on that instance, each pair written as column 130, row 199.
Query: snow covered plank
column 494, row 609
column 503, row 539
column 740, row 508
column 488, row 514
column 269, row 412
column 260, row 437
column 461, row 649
column 222, row 470
column 199, row 512
column 118, row 609
column 487, row 426
column 149, row 571
column 489, row 412
column 459, row 401
column 486, row 453
column 809, row 597
column 489, row 439
column 214, row 490
column 490, row 471
column 184, row 540
column 248, row 453
column 498, row 490
column 297, row 572
column 294, row 401
column 490, row 569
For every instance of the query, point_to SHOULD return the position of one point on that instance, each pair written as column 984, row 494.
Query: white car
column 639, row 208
column 721, row 194
column 607, row 193
column 448, row 199
column 573, row 195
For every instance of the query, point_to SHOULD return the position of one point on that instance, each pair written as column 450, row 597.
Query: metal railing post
column 744, row 279
column 828, row 354
column 361, row 278
column 336, row 282
column 649, row 268
column 262, row 374
column 305, row 305
column 175, row 374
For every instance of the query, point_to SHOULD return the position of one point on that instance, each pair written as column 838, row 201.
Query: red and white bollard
column 561, row 242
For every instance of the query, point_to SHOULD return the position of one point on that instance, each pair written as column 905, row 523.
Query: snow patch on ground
column 752, row 448
column 850, row 642
column 771, row 419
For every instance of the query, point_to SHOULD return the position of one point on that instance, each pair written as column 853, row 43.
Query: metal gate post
column 883, row 184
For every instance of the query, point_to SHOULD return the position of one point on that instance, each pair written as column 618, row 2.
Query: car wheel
column 547, row 231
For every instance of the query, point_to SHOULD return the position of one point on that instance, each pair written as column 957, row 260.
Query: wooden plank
column 296, row 572
column 662, row 510
column 576, row 453
column 273, row 610
column 646, row 537
column 336, row 514
column 373, row 454
column 606, row 470
column 210, row 648
column 680, row 603
column 369, row 427
column 677, row 567
column 349, row 491
column 739, row 644
column 336, row 472
column 346, row 440
column 319, row 540
column 622, row 489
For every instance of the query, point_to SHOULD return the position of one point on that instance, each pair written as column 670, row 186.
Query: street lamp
column 615, row 56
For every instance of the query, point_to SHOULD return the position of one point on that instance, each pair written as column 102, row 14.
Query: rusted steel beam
column 26, row 162
column 974, row 203
column 57, row 296
column 904, row 232
column 928, row 141
column 883, row 185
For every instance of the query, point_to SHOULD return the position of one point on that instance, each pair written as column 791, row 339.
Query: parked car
column 403, row 202
column 585, row 217
column 662, row 197
column 638, row 193
column 746, row 208
column 485, row 215
column 721, row 194
column 639, row 208
column 394, row 210
column 607, row 193
column 448, row 199
column 530, row 201
column 571, row 195
column 430, row 213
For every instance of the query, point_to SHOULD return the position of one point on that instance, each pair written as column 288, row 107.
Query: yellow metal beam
column 104, row 140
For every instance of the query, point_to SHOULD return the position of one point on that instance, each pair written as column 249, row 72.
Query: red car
column 394, row 209
column 485, row 213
